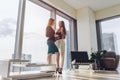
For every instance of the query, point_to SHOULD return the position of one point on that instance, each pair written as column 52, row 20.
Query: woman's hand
column 56, row 35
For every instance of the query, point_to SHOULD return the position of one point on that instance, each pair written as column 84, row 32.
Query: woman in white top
column 61, row 43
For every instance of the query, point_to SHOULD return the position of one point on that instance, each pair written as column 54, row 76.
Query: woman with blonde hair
column 52, row 48
column 61, row 43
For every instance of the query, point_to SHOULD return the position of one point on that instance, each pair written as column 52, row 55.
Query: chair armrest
column 117, row 60
column 109, row 59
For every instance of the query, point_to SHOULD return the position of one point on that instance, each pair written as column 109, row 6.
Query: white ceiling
column 94, row 4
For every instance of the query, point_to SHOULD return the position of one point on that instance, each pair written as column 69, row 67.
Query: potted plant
column 96, row 57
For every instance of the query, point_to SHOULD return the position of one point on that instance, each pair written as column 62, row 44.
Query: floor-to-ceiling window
column 34, row 39
column 8, row 27
column 109, row 34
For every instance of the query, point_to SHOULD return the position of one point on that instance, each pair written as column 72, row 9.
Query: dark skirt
column 52, row 48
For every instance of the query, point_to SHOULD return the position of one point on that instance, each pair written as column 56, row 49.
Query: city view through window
column 111, row 35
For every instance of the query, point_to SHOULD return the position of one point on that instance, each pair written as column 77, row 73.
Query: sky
column 8, row 18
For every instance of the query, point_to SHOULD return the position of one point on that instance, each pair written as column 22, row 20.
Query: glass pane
column 67, row 40
column 8, row 21
column 111, row 35
column 34, row 39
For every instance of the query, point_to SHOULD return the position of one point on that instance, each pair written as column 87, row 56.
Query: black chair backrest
column 79, row 56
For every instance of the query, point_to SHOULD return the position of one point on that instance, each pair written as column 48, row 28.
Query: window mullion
column 19, row 31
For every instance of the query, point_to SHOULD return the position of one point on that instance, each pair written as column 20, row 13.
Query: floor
column 81, row 74
column 85, row 75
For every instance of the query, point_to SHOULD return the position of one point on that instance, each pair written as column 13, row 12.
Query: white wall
column 86, row 30
column 93, row 35
column 63, row 7
column 108, row 12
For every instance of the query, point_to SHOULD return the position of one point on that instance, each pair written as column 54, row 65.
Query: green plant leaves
column 97, row 55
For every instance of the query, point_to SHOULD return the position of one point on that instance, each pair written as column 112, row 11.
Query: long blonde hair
column 50, row 22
